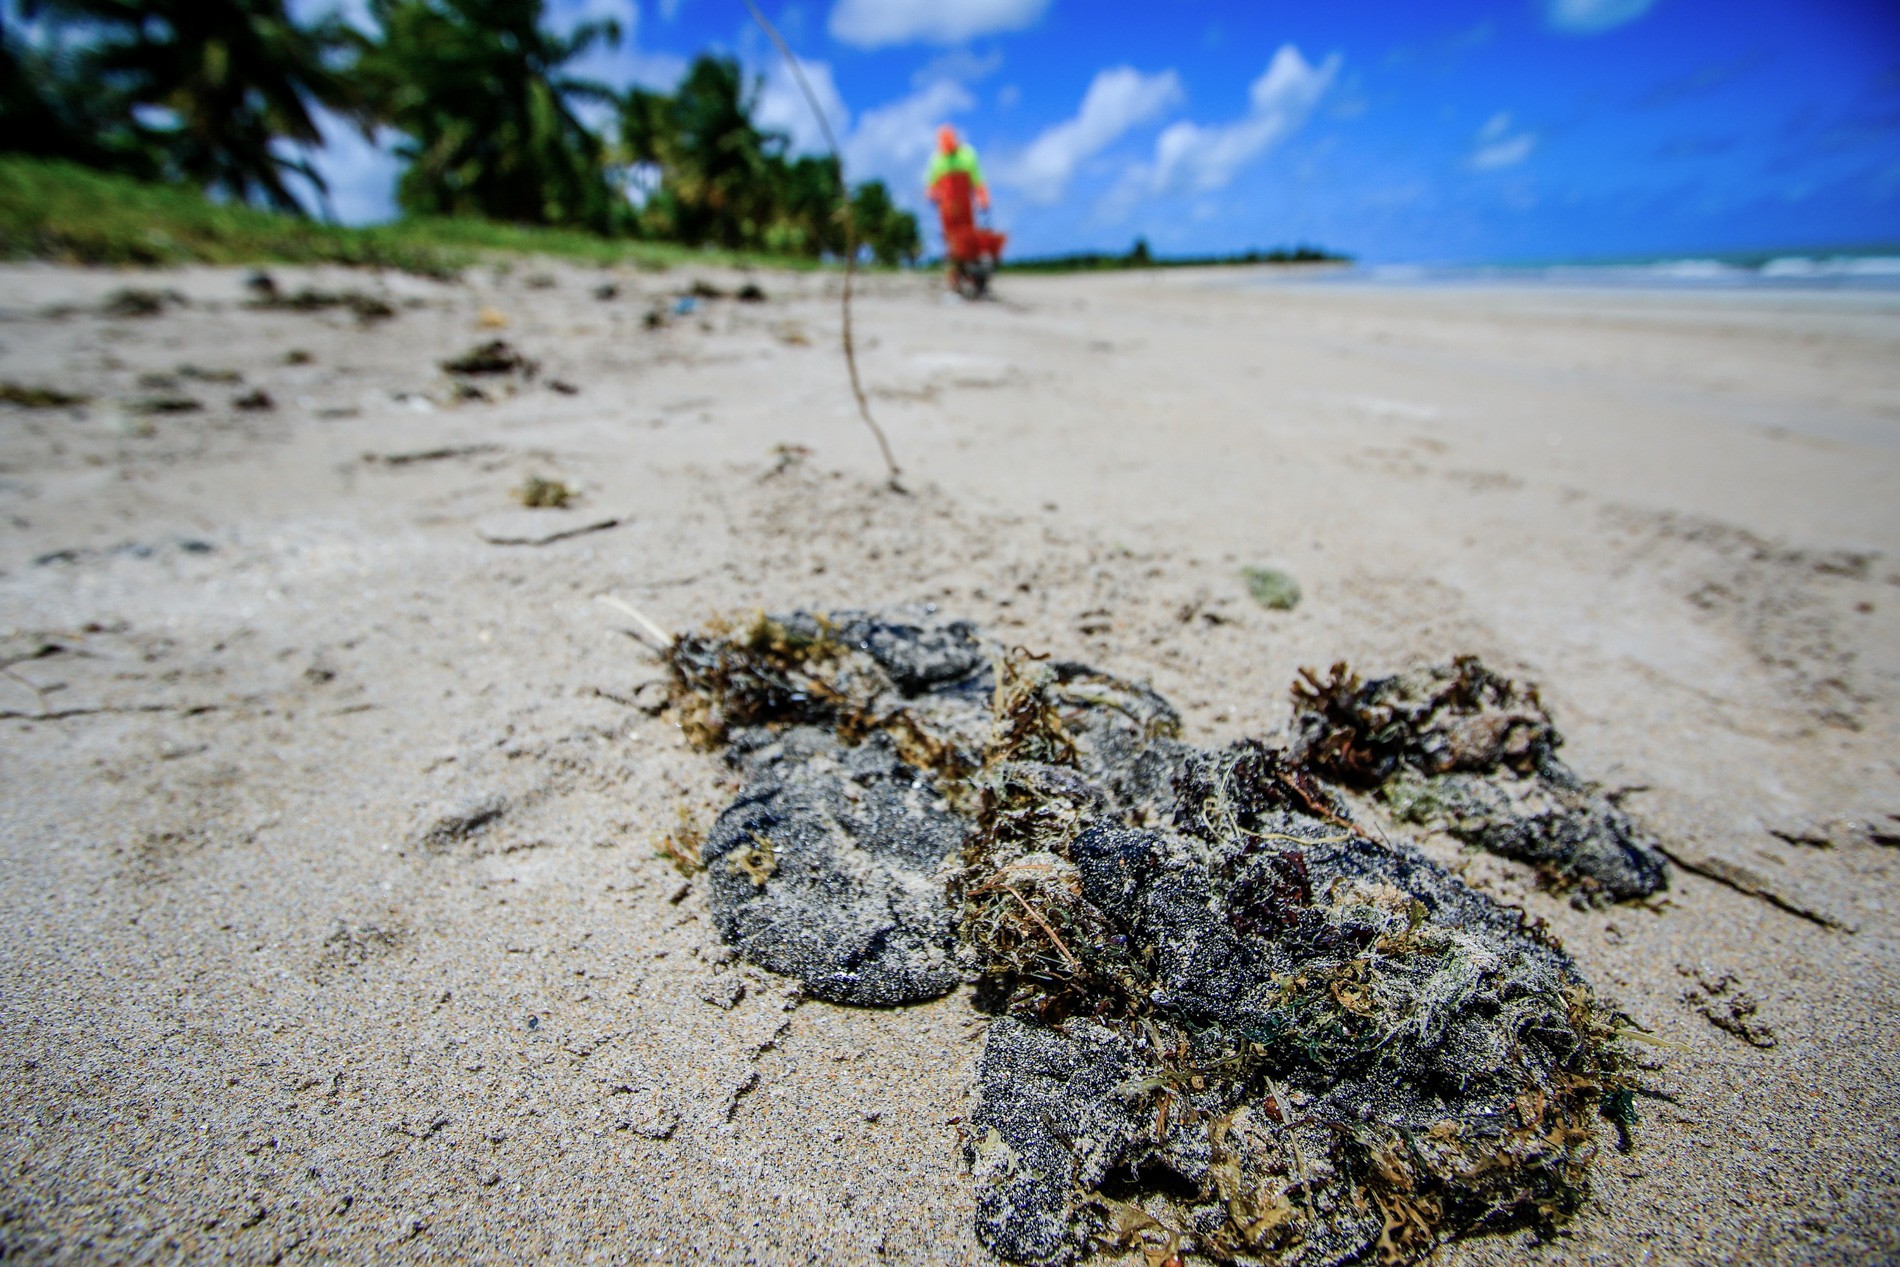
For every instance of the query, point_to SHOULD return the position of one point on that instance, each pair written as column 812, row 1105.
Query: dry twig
column 850, row 240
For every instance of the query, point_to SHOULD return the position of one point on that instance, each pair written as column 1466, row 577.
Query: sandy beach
column 332, row 925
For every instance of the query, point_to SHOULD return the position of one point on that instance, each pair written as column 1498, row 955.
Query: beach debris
column 448, row 825
column 256, row 400
column 562, row 387
column 488, row 318
column 542, row 527
column 1719, row 999
column 497, row 356
column 1228, row 1023
column 785, row 456
column 298, row 356
column 1272, row 588
column 1459, row 749
column 682, row 845
column 751, row 293
column 200, row 374
column 367, row 308
column 134, row 301
column 411, row 457
column 540, row 493
column 164, row 403
column 24, row 397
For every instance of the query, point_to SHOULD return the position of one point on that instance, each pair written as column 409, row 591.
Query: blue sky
column 1399, row 131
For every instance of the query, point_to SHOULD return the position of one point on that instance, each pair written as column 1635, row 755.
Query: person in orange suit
column 956, row 185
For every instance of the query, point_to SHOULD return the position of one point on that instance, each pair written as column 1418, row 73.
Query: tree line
column 223, row 94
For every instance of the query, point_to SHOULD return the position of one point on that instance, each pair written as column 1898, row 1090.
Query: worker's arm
column 966, row 160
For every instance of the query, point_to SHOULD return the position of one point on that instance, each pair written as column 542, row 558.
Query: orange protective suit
column 956, row 185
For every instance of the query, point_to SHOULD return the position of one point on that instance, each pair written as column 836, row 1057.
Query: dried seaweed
column 497, row 356
column 12, row 393
column 537, row 492
column 133, row 301
column 367, row 308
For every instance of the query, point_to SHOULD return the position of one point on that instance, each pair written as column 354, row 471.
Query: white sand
column 247, row 1014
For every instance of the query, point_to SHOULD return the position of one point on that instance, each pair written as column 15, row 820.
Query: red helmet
column 947, row 139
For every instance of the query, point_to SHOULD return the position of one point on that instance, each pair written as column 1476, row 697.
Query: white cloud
column 959, row 64
column 1117, row 100
column 1506, row 153
column 783, row 108
column 625, row 63
column 565, row 15
column 1497, row 148
column 1204, row 158
column 1587, row 17
column 892, row 143
column 876, row 23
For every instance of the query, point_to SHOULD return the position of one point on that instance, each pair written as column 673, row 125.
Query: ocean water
column 1869, row 271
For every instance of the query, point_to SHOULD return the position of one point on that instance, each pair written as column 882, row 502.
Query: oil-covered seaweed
column 1227, row 1022
column 1460, row 749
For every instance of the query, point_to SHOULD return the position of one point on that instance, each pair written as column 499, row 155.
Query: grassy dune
column 59, row 211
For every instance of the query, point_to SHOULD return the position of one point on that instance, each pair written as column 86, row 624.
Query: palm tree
column 478, row 90
column 725, row 181
column 47, row 112
column 889, row 232
column 719, row 169
column 208, row 87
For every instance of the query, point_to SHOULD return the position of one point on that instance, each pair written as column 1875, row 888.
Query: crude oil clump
column 1459, row 749
column 1227, row 1022
column 497, row 356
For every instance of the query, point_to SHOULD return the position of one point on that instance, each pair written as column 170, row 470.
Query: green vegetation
column 220, row 96
column 726, row 183
column 476, row 88
column 1139, row 256
column 57, row 210
column 1272, row 587
column 197, row 90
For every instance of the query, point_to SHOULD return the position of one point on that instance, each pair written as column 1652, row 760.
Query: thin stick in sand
column 850, row 242
column 661, row 639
